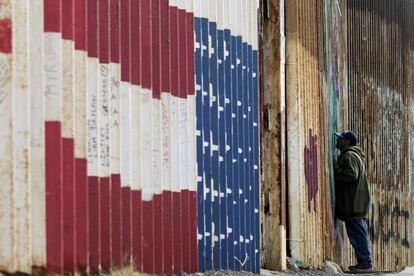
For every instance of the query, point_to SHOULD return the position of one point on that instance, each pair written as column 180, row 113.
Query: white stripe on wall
column 146, row 143
column 6, row 151
column 21, row 139
column 156, row 147
column 104, row 120
column 68, row 88
column 175, row 138
column 191, row 134
column 93, row 118
column 80, row 104
column 197, row 8
column 166, row 141
column 183, row 143
column 37, row 152
column 115, row 109
column 53, row 77
column 125, row 141
column 136, row 131
column 212, row 10
column 203, row 9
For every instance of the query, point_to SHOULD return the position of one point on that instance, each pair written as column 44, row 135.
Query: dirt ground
column 265, row 272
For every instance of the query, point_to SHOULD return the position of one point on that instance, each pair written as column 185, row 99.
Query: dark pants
column 357, row 230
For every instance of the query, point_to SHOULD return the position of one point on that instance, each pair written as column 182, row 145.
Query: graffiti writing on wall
column 392, row 223
column 311, row 170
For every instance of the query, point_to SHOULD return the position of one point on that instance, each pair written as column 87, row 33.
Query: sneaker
column 355, row 269
column 358, row 266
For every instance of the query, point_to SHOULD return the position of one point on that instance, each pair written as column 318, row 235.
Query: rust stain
column 354, row 72
column 378, row 44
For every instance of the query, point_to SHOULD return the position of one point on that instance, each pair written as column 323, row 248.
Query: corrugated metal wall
column 227, row 135
column 334, row 57
column 378, row 112
column 273, row 135
column 348, row 68
column 130, row 135
column 307, row 152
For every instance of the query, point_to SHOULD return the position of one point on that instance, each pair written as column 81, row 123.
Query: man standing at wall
column 352, row 198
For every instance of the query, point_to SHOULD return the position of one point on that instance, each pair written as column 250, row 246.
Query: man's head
column 345, row 139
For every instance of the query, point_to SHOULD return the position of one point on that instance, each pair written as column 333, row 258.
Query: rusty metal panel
column 306, row 134
column 273, row 179
column 334, row 81
column 378, row 112
column 101, row 164
column 347, row 68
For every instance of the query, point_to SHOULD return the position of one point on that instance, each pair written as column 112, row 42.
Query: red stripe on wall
column 185, row 230
column 135, row 42
column 104, row 185
column 177, row 236
column 146, row 66
column 190, row 54
column 156, row 49
column 53, row 152
column 105, row 222
column 68, row 205
column 94, row 224
column 182, row 54
column 114, row 35
column 193, row 231
column 103, row 8
column 80, row 25
column 92, row 23
column 116, row 220
column 174, row 70
column 126, row 226
column 137, row 230
column 156, row 93
column 184, row 205
column 165, row 46
column 5, row 36
column 82, row 238
column 112, row 223
column 67, row 19
column 52, row 15
column 174, row 40
column 168, row 232
column 125, row 41
column 148, row 235
column 158, row 238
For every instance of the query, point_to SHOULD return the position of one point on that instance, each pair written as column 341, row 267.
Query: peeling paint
column 311, row 170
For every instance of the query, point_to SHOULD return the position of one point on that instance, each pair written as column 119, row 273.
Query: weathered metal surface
column 273, row 179
column 306, row 134
column 125, row 124
column 334, row 80
column 379, row 36
column 347, row 68
column 6, row 145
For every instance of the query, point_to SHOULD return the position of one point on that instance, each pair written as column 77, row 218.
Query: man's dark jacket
column 352, row 197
